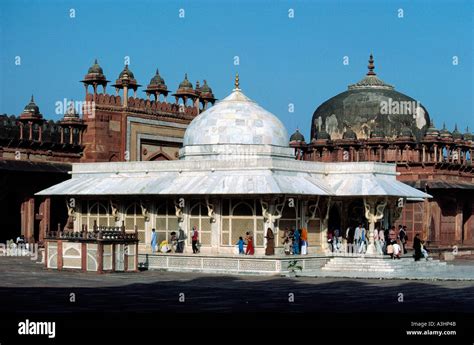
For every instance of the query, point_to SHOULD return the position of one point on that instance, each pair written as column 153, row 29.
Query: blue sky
column 282, row 60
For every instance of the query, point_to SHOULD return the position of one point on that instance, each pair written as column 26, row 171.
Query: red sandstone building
column 36, row 153
column 373, row 122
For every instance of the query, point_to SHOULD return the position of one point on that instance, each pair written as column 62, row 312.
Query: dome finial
column 371, row 65
column 95, row 61
column 32, row 99
column 236, row 82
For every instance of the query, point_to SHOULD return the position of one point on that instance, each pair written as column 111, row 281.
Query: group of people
column 387, row 241
column 247, row 243
column 295, row 241
column 176, row 242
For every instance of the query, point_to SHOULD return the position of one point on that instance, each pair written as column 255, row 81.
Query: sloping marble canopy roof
column 245, row 177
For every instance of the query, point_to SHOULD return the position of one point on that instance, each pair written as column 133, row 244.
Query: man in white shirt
column 357, row 237
column 362, row 239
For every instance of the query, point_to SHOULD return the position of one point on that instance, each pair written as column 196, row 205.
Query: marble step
column 389, row 263
column 339, row 264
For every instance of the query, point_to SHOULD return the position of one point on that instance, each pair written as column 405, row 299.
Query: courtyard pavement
column 28, row 290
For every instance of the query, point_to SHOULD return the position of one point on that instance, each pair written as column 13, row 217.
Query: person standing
column 241, row 243
column 336, row 239
column 357, row 237
column 195, row 238
column 362, row 240
column 417, row 247
column 402, row 235
column 250, row 250
column 378, row 244
column 153, row 240
column 181, row 239
column 382, row 240
column 173, row 242
column 270, row 249
column 296, row 242
column 304, row 241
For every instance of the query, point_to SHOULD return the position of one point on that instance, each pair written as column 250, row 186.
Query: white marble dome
column 236, row 120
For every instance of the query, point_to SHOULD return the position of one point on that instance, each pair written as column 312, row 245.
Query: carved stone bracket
column 324, row 232
column 178, row 211
column 210, row 210
column 71, row 208
column 272, row 211
column 145, row 213
column 397, row 208
column 114, row 209
column 311, row 211
column 374, row 209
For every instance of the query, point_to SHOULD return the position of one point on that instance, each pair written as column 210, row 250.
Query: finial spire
column 95, row 62
column 185, row 76
column 32, row 99
column 371, row 65
column 236, row 83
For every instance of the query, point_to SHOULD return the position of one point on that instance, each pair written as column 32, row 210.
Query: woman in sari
column 304, row 241
column 270, row 250
column 249, row 239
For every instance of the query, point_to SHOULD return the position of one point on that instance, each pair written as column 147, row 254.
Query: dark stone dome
column 323, row 134
column 157, row 79
column 349, row 134
column 95, row 68
column 126, row 71
column 369, row 104
column 185, row 84
column 432, row 131
column 31, row 107
column 456, row 134
column 377, row 133
column 445, row 133
column 205, row 88
column 468, row 135
column 297, row 136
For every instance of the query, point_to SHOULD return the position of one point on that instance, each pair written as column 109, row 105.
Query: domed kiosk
column 369, row 104
column 236, row 177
